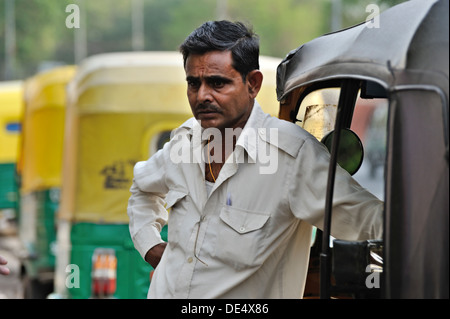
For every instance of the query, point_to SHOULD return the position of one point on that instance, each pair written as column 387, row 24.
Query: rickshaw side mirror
column 350, row 153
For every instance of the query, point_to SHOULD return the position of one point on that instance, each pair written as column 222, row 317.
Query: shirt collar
column 247, row 140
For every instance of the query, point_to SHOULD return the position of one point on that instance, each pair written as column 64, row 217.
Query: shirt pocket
column 241, row 238
column 175, row 206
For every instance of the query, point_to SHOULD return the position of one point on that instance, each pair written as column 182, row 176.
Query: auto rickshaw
column 11, row 109
column 405, row 63
column 121, row 109
column 39, row 171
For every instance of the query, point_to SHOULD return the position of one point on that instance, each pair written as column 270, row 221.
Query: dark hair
column 225, row 36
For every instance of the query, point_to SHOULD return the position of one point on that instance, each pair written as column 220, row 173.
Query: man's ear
column 254, row 79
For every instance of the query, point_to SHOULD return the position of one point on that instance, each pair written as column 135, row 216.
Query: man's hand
column 3, row 269
column 153, row 256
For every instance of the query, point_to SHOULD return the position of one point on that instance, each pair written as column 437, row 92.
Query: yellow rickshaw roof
column 44, row 89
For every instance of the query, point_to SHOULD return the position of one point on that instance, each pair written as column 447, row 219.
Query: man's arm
column 357, row 214
column 146, row 207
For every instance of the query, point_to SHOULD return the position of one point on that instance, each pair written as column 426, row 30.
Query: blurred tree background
column 34, row 35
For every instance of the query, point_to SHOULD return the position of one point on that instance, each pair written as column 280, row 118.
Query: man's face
column 216, row 92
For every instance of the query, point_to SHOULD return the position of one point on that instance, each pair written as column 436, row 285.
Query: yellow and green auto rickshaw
column 39, row 170
column 121, row 109
column 11, row 108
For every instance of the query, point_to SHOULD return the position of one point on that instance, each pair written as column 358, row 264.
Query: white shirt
column 252, row 233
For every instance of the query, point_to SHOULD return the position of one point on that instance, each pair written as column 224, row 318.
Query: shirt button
column 190, row 259
column 242, row 229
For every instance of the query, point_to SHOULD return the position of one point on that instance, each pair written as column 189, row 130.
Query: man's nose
column 204, row 94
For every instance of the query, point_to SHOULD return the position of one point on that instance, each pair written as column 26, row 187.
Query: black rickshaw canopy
column 412, row 36
column 406, row 52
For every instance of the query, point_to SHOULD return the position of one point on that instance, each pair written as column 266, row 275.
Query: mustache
column 207, row 107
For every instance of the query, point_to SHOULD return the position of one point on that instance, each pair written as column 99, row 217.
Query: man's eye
column 193, row 84
column 218, row 84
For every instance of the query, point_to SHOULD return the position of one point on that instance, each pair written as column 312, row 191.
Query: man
column 237, row 230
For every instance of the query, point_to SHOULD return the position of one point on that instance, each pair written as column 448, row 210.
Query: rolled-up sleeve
column 146, row 206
